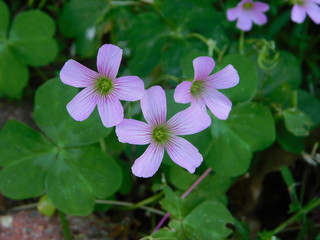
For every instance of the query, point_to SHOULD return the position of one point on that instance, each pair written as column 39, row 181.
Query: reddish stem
column 183, row 197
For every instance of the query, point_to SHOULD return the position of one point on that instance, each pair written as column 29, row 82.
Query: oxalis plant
column 177, row 114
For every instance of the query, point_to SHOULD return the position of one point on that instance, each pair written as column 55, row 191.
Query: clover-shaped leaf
column 248, row 83
column 57, row 164
column 250, row 127
column 82, row 19
column 30, row 42
column 208, row 221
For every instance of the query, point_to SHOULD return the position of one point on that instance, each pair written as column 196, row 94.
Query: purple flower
column 247, row 12
column 303, row 7
column 102, row 89
column 202, row 91
column 161, row 134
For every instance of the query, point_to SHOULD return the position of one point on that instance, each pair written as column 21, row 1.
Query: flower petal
column 298, row 14
column 245, row 21
column 313, row 11
column 77, row 75
column 189, row 121
column 203, row 66
column 233, row 13
column 82, row 105
column 226, row 78
column 182, row 92
column 110, row 110
column 259, row 18
column 218, row 103
column 149, row 162
column 260, row 7
column 134, row 132
column 184, row 153
column 154, row 105
column 108, row 60
column 129, row 88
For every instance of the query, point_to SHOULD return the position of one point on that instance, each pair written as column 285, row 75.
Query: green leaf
column 79, row 15
column 26, row 156
column 250, row 127
column 31, row 36
column 297, row 122
column 87, row 45
column 288, row 141
column 80, row 174
column 187, row 63
column 148, row 41
column 208, row 221
column 310, row 105
column 13, row 74
column 171, row 58
column 254, row 123
column 18, row 140
column 180, row 178
column 178, row 208
column 4, row 21
column 229, row 155
column 52, row 97
column 281, row 94
column 214, row 188
column 246, row 69
column 288, row 70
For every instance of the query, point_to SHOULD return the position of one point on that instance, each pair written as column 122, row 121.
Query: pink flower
column 102, row 89
column 202, row 91
column 161, row 134
column 247, row 12
column 303, row 7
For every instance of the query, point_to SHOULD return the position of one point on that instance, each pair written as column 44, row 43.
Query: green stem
column 30, row 3
column 65, row 226
column 199, row 36
column 166, row 77
column 147, row 201
column 241, row 43
column 307, row 208
column 211, row 44
column 129, row 205
column 41, row 4
column 103, row 145
column 41, row 74
column 124, row 3
column 222, row 52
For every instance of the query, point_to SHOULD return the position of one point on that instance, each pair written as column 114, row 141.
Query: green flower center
column 248, row 5
column 160, row 134
column 300, row 2
column 104, row 85
column 196, row 88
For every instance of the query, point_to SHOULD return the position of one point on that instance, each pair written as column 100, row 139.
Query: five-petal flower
column 247, row 12
column 303, row 7
column 202, row 91
column 102, row 89
column 161, row 134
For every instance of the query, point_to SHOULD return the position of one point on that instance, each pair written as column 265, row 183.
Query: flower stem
column 196, row 183
column 130, row 206
column 147, row 201
column 241, row 43
column 65, row 226
column 103, row 145
column 211, row 44
column 307, row 208
column 183, row 197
